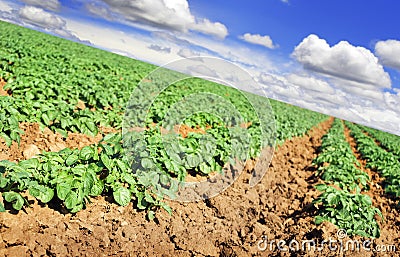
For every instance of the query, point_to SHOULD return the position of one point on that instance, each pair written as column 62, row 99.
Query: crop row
column 69, row 87
column 337, row 162
column 389, row 141
column 50, row 78
column 292, row 121
column 346, row 207
column 378, row 159
column 73, row 176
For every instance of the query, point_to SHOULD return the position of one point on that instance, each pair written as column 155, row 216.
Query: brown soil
column 184, row 130
column 376, row 185
column 81, row 105
column 33, row 141
column 2, row 91
column 230, row 224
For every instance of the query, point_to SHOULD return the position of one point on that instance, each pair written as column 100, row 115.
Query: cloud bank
column 257, row 39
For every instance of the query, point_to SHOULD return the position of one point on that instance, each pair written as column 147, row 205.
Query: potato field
column 79, row 177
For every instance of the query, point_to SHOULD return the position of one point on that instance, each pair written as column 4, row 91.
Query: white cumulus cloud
column 161, row 49
column 39, row 17
column 369, row 107
column 392, row 101
column 201, row 71
column 389, row 53
column 257, row 39
column 205, row 26
column 311, row 83
column 358, row 89
column 52, row 5
column 167, row 14
column 5, row 7
column 343, row 61
column 99, row 10
column 187, row 52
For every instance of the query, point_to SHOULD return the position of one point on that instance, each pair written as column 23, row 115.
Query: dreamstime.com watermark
column 339, row 244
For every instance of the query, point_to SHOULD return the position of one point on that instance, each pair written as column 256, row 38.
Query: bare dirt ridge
column 230, row 224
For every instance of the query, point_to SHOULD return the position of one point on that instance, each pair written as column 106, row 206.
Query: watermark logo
column 165, row 107
column 342, row 243
column 341, row 234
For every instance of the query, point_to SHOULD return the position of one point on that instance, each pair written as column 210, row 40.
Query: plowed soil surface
column 241, row 221
column 2, row 91
column 34, row 140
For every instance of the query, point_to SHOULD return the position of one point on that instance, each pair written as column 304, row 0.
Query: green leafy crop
column 69, row 87
column 73, row 176
column 337, row 162
column 378, row 159
column 352, row 212
column 388, row 141
column 292, row 121
column 345, row 206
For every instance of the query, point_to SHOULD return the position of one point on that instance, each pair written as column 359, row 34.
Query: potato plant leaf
column 122, row 196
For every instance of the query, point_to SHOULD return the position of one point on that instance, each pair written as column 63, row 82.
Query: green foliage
column 345, row 207
column 352, row 212
column 10, row 118
column 378, row 159
column 222, row 135
column 50, row 78
column 337, row 163
column 73, row 176
column 292, row 121
column 388, row 141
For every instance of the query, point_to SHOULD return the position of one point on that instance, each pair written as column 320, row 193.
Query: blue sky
column 337, row 57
